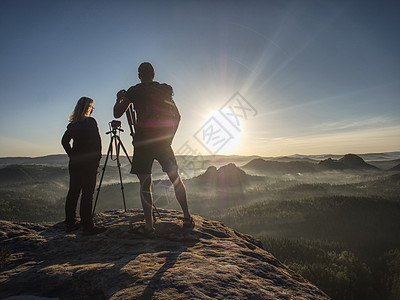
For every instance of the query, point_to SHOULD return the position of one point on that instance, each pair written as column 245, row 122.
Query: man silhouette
column 157, row 119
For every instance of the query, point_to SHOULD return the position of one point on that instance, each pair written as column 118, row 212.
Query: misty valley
column 333, row 219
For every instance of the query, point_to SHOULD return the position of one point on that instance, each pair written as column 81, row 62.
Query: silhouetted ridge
column 228, row 175
column 353, row 160
column 15, row 173
column 58, row 159
column 231, row 170
column 262, row 165
column 330, row 164
column 347, row 162
column 211, row 171
column 256, row 164
column 27, row 173
column 395, row 177
column 395, row 168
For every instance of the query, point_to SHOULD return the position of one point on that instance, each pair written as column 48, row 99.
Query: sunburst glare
column 217, row 135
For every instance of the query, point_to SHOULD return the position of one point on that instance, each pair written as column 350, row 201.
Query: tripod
column 115, row 129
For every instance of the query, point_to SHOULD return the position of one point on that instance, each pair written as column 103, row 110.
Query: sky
column 266, row 78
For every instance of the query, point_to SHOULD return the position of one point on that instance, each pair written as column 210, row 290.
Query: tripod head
column 114, row 125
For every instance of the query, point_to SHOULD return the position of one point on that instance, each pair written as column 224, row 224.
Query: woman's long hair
column 82, row 110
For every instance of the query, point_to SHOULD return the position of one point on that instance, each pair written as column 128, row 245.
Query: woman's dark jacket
column 86, row 141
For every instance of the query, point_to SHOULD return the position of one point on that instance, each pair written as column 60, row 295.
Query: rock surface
column 211, row 261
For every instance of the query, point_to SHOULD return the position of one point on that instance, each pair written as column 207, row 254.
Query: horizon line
column 226, row 155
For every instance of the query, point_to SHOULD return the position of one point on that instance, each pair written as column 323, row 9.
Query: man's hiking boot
column 188, row 222
column 142, row 230
column 95, row 229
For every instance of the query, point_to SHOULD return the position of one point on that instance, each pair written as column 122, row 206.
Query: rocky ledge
column 211, row 261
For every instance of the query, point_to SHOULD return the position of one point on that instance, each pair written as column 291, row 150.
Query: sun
column 221, row 132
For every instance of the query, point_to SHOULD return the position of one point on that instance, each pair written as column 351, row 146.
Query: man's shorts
column 144, row 156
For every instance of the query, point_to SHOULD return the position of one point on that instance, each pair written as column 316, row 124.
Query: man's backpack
column 157, row 115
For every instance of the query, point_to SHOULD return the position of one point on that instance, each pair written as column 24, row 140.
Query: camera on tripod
column 114, row 125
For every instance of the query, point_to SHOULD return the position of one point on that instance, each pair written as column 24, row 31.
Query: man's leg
column 147, row 199
column 166, row 158
column 180, row 192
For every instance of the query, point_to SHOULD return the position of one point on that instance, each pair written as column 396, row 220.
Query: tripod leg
column 155, row 210
column 102, row 174
column 123, row 148
column 119, row 170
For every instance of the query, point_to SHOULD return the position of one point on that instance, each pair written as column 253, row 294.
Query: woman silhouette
column 84, row 158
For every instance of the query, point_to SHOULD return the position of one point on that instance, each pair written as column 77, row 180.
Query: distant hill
column 384, row 156
column 395, row 168
column 366, row 156
column 395, row 178
column 383, row 161
column 226, row 185
column 27, row 173
column 347, row 162
column 385, row 164
column 58, row 159
column 314, row 157
column 226, row 176
column 292, row 158
column 262, row 165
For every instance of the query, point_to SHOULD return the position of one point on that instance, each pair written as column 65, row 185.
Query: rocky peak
column 211, row 171
column 231, row 167
column 257, row 164
column 349, row 161
column 228, row 175
column 211, row 261
column 352, row 160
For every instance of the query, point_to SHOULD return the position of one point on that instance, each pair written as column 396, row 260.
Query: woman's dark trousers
column 82, row 179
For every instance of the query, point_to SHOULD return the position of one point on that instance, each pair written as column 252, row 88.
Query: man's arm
column 122, row 104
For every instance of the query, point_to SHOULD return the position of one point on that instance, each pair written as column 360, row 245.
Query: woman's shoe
column 72, row 226
column 95, row 229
